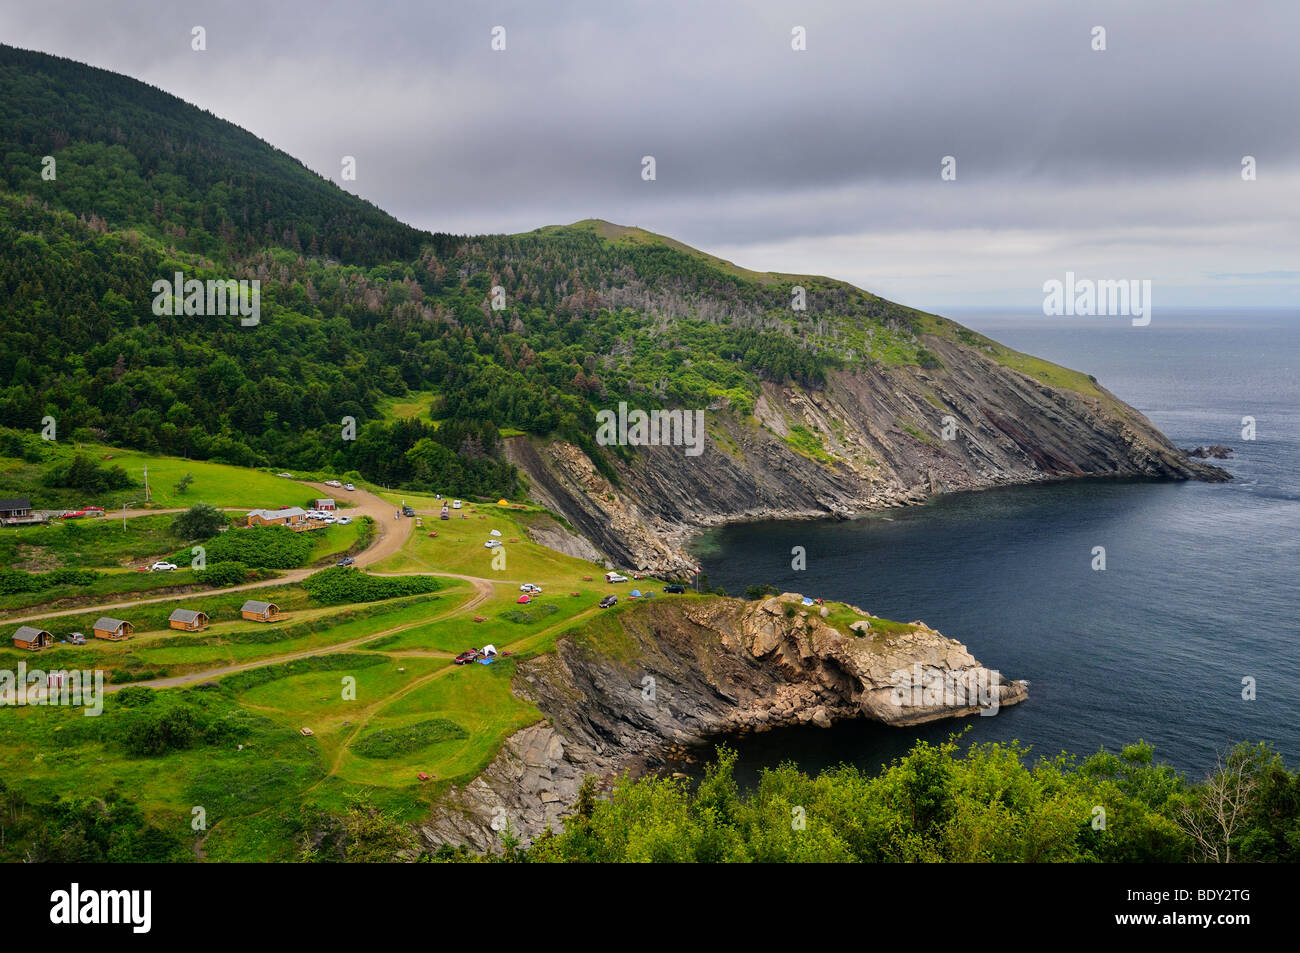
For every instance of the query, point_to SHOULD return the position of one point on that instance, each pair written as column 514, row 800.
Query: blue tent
column 635, row 593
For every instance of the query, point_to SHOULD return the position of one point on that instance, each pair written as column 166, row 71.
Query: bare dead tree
column 1215, row 817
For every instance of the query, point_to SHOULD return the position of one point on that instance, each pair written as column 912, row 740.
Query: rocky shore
column 872, row 438
column 681, row 672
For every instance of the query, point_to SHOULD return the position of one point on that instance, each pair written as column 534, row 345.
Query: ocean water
column 1199, row 592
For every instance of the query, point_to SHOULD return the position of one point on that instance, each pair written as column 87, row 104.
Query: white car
column 326, row 518
column 289, row 475
column 531, row 589
column 344, row 520
column 615, row 577
column 494, row 532
column 348, row 486
column 333, row 483
column 162, row 567
column 455, row 504
column 492, row 544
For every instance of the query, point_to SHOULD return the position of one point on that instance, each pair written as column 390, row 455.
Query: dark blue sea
column 1199, row 592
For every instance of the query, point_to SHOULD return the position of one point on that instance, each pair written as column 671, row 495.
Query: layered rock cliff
column 679, row 672
column 873, row 437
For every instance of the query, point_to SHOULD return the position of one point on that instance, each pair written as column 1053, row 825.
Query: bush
column 201, row 521
column 394, row 742
column 155, row 730
column 229, row 573
column 340, row 584
column 83, row 473
column 267, row 547
column 15, row 580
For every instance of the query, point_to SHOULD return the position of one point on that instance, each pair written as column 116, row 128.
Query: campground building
column 31, row 638
column 260, row 611
column 292, row 516
column 16, row 511
column 188, row 620
column 115, row 630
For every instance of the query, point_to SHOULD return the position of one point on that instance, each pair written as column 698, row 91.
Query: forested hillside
column 435, row 346
column 356, row 307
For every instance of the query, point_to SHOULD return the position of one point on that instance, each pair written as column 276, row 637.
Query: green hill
column 358, row 312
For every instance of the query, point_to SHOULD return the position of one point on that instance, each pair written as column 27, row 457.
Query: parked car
column 614, row 577
column 464, row 658
column 444, row 515
column 161, row 566
column 289, row 475
column 455, row 504
column 333, row 483
column 608, row 601
column 408, row 511
column 346, row 561
column 76, row 638
column 674, row 587
column 343, row 520
column 349, row 487
column 492, row 544
column 529, row 587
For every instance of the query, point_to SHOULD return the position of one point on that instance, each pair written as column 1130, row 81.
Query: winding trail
column 390, row 536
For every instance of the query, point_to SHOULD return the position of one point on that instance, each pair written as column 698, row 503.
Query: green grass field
column 367, row 678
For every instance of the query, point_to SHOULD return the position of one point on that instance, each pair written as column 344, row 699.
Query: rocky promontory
column 681, row 672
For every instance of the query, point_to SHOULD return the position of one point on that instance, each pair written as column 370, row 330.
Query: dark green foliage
column 201, row 521
column 340, row 584
column 988, row 804
column 83, row 473
column 267, row 547
column 217, row 575
column 14, row 580
column 395, row 742
column 356, row 307
column 83, row 830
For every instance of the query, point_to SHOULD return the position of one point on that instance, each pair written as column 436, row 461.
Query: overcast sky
column 1125, row 163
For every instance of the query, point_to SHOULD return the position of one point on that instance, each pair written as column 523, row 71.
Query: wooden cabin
column 291, row 516
column 188, row 620
column 260, row 611
column 31, row 638
column 115, row 630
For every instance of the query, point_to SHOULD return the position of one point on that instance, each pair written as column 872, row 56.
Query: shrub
column 200, row 521
column 340, row 584
column 229, row 573
column 268, row 547
column 393, row 742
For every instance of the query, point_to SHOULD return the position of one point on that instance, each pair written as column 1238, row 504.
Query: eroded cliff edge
column 680, row 672
column 873, row 437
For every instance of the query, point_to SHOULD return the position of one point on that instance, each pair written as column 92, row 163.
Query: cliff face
column 678, row 672
column 877, row 440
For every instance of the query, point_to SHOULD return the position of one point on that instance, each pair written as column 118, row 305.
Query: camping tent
column 489, row 650
column 635, row 593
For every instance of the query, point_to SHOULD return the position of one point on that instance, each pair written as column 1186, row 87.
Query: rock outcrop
column 678, row 673
column 881, row 437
